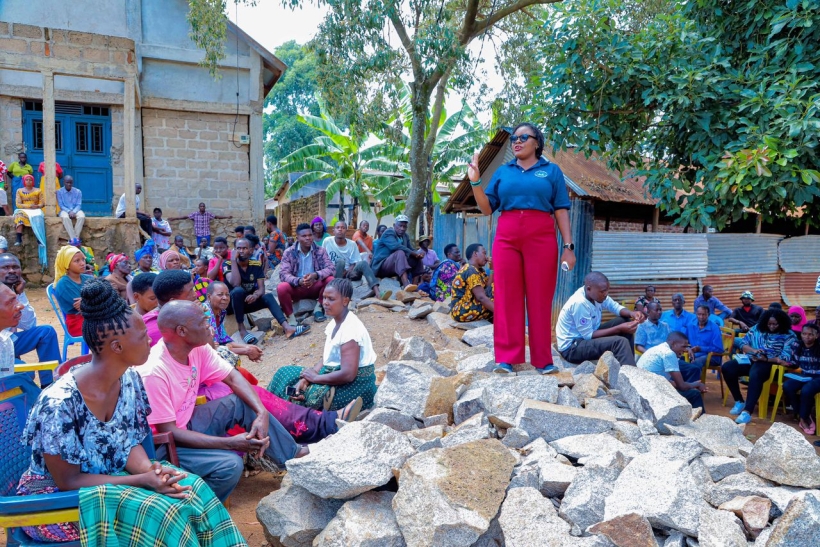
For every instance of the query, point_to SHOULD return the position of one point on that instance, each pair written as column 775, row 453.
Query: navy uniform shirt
column 540, row 188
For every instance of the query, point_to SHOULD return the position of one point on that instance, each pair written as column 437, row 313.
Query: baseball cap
column 747, row 294
column 402, row 218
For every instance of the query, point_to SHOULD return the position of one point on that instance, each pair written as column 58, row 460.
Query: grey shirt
column 305, row 263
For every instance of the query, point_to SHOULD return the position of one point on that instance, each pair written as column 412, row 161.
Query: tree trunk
column 419, row 169
column 355, row 216
column 429, row 211
column 341, row 215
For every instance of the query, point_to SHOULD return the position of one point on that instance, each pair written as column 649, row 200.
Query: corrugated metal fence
column 800, row 261
column 641, row 256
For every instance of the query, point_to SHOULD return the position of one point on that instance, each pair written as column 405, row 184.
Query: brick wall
column 189, row 158
column 622, row 225
column 304, row 210
column 65, row 44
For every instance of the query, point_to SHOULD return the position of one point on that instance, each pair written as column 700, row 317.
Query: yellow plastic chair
column 817, row 408
column 33, row 367
column 728, row 340
column 775, row 376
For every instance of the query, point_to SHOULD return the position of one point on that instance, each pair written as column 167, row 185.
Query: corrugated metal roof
column 800, row 254
column 625, row 256
column 590, row 177
column 765, row 287
column 729, row 253
column 797, row 289
column 585, row 177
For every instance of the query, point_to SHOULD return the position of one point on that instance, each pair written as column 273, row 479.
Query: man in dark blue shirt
column 394, row 256
column 704, row 338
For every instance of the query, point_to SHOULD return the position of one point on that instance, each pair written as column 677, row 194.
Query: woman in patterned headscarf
column 29, row 202
column 120, row 275
column 170, row 260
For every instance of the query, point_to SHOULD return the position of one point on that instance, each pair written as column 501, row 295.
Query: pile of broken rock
column 595, row 455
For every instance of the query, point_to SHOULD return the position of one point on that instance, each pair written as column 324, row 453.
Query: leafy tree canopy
column 293, row 95
column 716, row 103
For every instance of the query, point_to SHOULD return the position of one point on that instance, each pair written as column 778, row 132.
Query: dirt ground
column 307, row 350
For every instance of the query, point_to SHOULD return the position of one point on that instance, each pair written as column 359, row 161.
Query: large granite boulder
column 630, row 530
column 553, row 422
column 607, row 370
column 747, row 484
column 416, row 389
column 360, row 457
column 480, row 337
column 292, row 516
column 392, row 419
column 367, row 521
column 721, row 467
column 584, row 500
column 720, row 529
column 754, row 511
column 502, row 398
column 415, row 348
column 448, row 496
column 597, row 444
column 800, row 523
column 661, row 490
column 528, row 519
column 651, row 397
column 481, row 362
column 718, row 435
column 785, row 456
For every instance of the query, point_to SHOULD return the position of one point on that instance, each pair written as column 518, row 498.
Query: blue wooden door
column 83, row 144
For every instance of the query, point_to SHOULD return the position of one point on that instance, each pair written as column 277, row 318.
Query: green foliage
column 356, row 167
column 715, row 103
column 458, row 136
column 294, row 94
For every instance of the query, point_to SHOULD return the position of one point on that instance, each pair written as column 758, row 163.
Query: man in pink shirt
column 176, row 367
column 169, row 285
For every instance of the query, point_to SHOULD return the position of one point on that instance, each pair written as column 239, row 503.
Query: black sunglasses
column 523, row 138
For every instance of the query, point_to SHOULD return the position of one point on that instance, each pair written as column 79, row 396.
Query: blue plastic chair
column 67, row 338
column 18, row 394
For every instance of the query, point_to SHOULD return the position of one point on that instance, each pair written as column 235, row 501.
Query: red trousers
column 525, row 258
column 288, row 294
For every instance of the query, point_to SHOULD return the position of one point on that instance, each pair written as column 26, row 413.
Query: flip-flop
column 385, row 295
column 319, row 317
column 411, row 288
column 250, row 339
column 327, row 400
column 354, row 410
column 300, row 330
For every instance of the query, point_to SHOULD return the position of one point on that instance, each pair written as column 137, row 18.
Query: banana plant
column 361, row 168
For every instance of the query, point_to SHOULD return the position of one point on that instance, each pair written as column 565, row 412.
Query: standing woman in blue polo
column 532, row 196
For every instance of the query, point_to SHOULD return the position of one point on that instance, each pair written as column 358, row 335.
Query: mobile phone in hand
column 290, row 391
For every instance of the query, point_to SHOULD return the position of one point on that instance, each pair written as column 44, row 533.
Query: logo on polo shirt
column 584, row 320
column 541, row 174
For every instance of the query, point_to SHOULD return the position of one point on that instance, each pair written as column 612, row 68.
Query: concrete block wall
column 624, row 225
column 189, row 158
column 65, row 44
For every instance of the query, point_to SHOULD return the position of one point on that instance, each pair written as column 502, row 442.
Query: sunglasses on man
column 523, row 138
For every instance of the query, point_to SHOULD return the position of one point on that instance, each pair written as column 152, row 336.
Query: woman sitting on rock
column 347, row 370
column 473, row 288
column 767, row 343
column 304, row 425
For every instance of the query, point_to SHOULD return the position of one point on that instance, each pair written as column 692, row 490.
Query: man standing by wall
column 70, row 200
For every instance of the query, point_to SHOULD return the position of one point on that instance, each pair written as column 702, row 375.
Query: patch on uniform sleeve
column 584, row 321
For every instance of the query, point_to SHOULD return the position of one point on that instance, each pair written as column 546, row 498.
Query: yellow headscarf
column 64, row 256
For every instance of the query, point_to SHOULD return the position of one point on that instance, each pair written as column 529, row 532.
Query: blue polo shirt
column 708, row 338
column 676, row 323
column 540, row 188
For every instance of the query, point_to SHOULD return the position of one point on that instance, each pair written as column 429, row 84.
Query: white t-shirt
column 121, row 205
column 660, row 359
column 349, row 252
column 351, row 329
column 579, row 318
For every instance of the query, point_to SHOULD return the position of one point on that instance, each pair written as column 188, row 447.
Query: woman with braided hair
column 86, row 429
column 347, row 370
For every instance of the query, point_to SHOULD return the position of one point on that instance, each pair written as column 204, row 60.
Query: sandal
column 351, row 411
column 250, row 339
column 300, row 330
column 411, row 288
column 327, row 400
column 385, row 295
column 810, row 429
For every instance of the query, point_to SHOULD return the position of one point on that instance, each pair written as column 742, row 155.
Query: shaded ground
column 307, row 350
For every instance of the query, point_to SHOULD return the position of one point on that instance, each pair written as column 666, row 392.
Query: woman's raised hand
column 472, row 170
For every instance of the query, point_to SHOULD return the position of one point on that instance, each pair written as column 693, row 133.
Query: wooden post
column 128, row 148
column 759, row 224
column 49, row 144
column 656, row 217
column 807, row 229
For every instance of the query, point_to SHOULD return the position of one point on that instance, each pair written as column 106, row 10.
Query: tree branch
column 407, row 43
column 438, row 106
column 490, row 21
column 468, row 25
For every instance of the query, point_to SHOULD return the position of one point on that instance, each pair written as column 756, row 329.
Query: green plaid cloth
column 125, row 516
